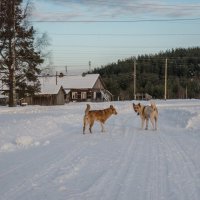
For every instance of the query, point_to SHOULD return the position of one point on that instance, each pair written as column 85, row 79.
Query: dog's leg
column 152, row 122
column 91, row 125
column 147, row 122
column 142, row 124
column 84, row 125
column 102, row 127
column 156, row 123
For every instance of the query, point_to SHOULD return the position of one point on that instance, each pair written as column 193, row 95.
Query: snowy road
column 44, row 156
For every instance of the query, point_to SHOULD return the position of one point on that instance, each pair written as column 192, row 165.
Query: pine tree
column 19, row 59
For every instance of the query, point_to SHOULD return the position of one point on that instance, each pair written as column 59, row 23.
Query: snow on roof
column 48, row 83
column 49, row 89
column 71, row 82
column 3, row 96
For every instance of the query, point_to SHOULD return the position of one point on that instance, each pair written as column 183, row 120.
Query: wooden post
column 134, row 80
column 56, row 77
column 165, row 95
column 186, row 92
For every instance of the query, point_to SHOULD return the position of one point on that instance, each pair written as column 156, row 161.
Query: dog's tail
column 153, row 105
column 87, row 109
column 85, row 119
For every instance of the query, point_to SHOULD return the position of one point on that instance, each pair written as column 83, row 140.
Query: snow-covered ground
column 45, row 156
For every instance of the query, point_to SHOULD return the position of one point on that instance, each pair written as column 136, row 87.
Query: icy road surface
column 45, row 156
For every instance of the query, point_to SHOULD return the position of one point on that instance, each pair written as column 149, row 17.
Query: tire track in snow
column 116, row 182
column 113, row 181
column 143, row 179
column 135, row 156
column 182, row 180
column 100, row 184
column 118, row 176
column 48, row 170
column 155, row 183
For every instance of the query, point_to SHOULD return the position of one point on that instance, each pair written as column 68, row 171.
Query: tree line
column 21, row 52
column 183, row 75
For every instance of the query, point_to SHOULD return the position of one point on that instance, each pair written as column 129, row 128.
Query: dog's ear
column 111, row 106
column 133, row 104
column 139, row 104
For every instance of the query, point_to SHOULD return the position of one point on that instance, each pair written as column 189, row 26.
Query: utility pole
column 89, row 66
column 165, row 95
column 134, row 80
column 66, row 69
column 56, row 78
column 186, row 92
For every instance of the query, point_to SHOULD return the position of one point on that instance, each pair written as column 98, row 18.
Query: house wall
column 3, row 101
column 28, row 100
column 77, row 95
column 67, row 98
column 98, row 85
column 91, row 95
column 60, row 98
column 47, row 99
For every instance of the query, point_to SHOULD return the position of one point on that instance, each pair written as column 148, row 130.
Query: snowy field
column 45, row 156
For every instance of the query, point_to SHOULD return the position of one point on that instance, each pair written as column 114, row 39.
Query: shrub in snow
column 8, row 147
column 24, row 141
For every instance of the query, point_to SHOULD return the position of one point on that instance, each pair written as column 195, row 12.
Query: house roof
column 49, row 89
column 70, row 82
column 48, row 83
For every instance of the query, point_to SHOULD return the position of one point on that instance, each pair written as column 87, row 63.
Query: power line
column 111, row 47
column 125, row 34
column 139, row 5
column 116, row 21
column 140, row 58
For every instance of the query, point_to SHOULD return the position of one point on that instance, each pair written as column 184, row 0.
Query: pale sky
column 104, row 31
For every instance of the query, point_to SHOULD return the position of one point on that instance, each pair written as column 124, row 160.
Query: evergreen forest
column 183, row 75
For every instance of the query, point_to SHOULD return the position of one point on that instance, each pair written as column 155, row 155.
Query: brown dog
column 97, row 115
column 146, row 113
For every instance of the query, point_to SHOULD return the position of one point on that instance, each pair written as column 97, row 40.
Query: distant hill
column 183, row 75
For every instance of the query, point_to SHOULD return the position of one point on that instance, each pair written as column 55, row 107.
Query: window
column 94, row 95
column 83, row 95
column 74, row 95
